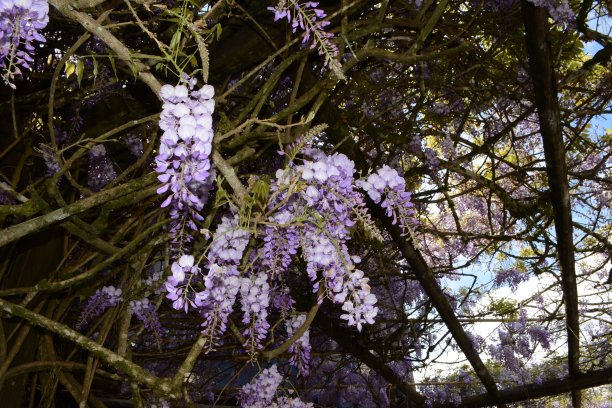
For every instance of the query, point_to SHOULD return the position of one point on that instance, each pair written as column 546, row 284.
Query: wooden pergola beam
column 533, row 391
column 541, row 62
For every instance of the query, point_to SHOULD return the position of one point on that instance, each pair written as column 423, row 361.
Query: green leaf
column 176, row 39
column 112, row 61
column 95, row 67
column 218, row 30
column 503, row 307
column 261, row 191
column 80, row 68
column 69, row 69
column 134, row 70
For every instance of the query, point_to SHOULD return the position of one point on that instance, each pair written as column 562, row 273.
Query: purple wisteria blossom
column 518, row 342
column 359, row 307
column 511, row 277
column 222, row 284
column 146, row 313
column 386, row 182
column 217, row 299
column 281, row 242
column 287, row 402
column 183, row 161
column 540, row 335
column 308, row 18
column 108, row 296
column 20, row 24
column 101, row 170
column 329, row 202
column 282, row 300
column 184, row 168
column 255, row 296
column 262, row 389
column 477, row 341
column 229, row 242
column 261, row 392
column 300, row 350
column 178, row 284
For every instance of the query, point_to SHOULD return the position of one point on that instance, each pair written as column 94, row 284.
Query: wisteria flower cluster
column 262, row 388
column 110, row 296
column 314, row 204
column 308, row 18
column 222, row 283
column 184, row 168
column 328, row 200
column 317, row 217
column 178, row 285
column 281, row 242
column 511, row 277
column 183, row 162
column 282, row 300
column 146, row 313
column 518, row 340
column 388, row 183
column 300, row 350
column 359, row 307
column 98, row 303
column 261, row 392
column 20, row 24
column 229, row 242
column 216, row 301
column 255, row 295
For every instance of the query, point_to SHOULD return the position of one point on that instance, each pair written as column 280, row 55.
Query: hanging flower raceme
column 178, row 285
column 386, row 182
column 20, row 24
column 222, row 283
column 308, row 18
column 518, row 342
column 216, row 301
column 281, row 242
column 261, row 392
column 255, row 296
column 261, row 389
column 184, row 168
column 107, row 297
column 183, row 162
column 328, row 201
column 300, row 350
column 228, row 243
column 145, row 312
column 359, row 306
